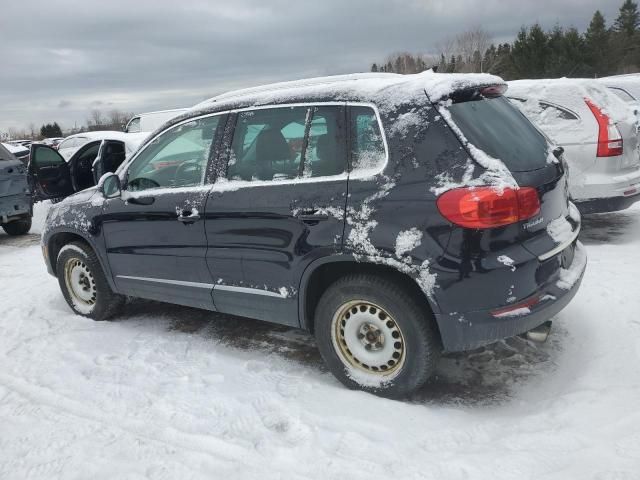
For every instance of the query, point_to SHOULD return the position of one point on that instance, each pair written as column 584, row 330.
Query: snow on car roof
column 15, row 148
column 571, row 93
column 386, row 89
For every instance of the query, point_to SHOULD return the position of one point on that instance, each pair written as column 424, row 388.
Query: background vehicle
column 15, row 199
column 53, row 142
column 18, row 151
column 375, row 221
column 54, row 177
column 626, row 87
column 148, row 122
column 70, row 145
column 598, row 131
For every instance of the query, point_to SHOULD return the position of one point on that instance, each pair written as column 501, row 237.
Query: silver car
column 599, row 134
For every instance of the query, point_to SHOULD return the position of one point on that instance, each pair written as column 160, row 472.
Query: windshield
column 499, row 129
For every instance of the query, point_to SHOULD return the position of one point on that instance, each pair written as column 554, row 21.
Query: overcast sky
column 59, row 59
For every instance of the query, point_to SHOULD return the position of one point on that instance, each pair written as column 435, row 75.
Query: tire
column 18, row 227
column 83, row 283
column 404, row 345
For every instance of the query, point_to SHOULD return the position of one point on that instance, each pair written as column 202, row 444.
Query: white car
column 19, row 151
column 627, row 87
column 70, row 145
column 599, row 134
column 150, row 121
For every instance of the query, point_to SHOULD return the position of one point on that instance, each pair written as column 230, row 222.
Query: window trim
column 548, row 103
column 349, row 174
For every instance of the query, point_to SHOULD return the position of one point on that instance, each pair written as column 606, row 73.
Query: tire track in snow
column 206, row 445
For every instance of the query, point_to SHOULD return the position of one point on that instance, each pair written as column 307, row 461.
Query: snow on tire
column 374, row 336
column 83, row 283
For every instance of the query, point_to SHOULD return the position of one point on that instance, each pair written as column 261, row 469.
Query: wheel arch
column 58, row 239
column 323, row 272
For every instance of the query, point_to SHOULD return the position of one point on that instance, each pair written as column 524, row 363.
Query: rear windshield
column 499, row 129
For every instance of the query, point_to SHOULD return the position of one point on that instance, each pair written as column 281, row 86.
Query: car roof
column 384, row 89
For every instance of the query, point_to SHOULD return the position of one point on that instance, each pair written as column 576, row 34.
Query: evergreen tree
column 597, row 45
column 628, row 19
column 374, row 68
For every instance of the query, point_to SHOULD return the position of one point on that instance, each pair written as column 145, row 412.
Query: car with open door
column 52, row 177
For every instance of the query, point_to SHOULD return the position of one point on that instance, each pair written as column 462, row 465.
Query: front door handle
column 141, row 200
column 188, row 216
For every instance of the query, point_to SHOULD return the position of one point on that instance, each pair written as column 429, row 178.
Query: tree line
column 599, row 51
column 96, row 120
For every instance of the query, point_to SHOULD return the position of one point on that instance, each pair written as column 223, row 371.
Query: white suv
column 599, row 134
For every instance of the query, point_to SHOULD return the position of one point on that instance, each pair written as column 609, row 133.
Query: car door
column 154, row 232
column 111, row 155
column 279, row 207
column 49, row 173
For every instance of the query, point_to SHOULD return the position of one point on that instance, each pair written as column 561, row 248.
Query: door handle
column 311, row 215
column 187, row 216
column 141, row 200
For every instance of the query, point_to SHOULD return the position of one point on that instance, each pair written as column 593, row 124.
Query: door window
column 177, row 158
column 47, row 157
column 367, row 146
column 288, row 143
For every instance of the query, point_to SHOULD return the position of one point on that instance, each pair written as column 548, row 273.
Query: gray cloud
column 150, row 54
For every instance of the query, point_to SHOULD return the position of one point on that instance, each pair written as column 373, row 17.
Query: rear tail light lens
column 488, row 207
column 609, row 137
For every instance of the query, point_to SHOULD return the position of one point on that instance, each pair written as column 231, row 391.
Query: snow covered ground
column 168, row 392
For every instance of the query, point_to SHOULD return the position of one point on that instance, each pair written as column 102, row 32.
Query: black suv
column 393, row 216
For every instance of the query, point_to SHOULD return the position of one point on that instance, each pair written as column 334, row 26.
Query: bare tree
column 469, row 49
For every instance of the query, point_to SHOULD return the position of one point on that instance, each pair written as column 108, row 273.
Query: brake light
column 609, row 138
column 488, row 207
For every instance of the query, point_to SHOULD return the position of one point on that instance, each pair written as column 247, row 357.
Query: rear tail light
column 609, row 138
column 488, row 207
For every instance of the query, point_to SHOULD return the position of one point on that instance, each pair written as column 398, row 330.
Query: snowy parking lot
column 167, row 392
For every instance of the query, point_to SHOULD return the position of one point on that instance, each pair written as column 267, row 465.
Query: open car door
column 49, row 173
column 110, row 156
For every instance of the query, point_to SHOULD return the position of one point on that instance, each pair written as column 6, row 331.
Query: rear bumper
column 469, row 330
column 611, row 204
column 603, row 192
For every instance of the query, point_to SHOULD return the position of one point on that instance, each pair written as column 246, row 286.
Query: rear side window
column 623, row 94
column 499, row 129
column 288, row 143
column 134, row 125
column 367, row 146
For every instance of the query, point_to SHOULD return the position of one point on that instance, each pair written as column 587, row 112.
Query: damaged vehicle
column 54, row 176
column 394, row 216
column 16, row 207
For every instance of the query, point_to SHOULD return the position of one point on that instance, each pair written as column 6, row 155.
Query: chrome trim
column 253, row 291
column 561, row 247
column 182, row 283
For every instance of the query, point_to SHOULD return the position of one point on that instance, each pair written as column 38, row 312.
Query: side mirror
column 109, row 185
column 557, row 152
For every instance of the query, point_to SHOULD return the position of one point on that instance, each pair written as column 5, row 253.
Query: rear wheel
column 374, row 336
column 83, row 283
column 18, row 227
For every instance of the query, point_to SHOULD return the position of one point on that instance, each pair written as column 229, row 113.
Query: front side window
column 367, row 146
column 177, row 158
column 288, row 143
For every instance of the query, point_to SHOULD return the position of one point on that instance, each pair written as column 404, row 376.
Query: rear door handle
column 187, row 216
column 311, row 215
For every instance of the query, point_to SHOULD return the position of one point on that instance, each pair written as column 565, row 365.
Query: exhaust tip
column 540, row 333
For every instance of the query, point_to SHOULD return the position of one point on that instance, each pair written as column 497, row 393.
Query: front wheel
column 18, row 227
column 83, row 283
column 375, row 336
